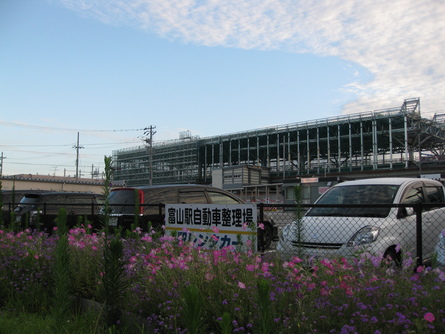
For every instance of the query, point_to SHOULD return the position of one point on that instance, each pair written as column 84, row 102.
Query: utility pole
column 1, row 164
column 77, row 147
column 150, row 131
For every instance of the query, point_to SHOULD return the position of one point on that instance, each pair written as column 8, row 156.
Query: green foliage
column 192, row 309
column 105, row 216
column 1, row 204
column 61, row 222
column 115, row 283
column 226, row 323
column 61, row 287
column 61, row 305
column 265, row 311
column 24, row 323
column 137, row 207
column 86, row 263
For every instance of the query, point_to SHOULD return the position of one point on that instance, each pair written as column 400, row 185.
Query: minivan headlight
column 365, row 235
column 441, row 243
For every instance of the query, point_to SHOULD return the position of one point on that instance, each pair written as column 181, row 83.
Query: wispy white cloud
column 401, row 42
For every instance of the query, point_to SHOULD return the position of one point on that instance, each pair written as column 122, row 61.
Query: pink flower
column 265, row 267
column 324, row 291
column 241, row 285
column 250, row 267
column 147, row 238
column 296, row 259
column 215, row 229
column 261, row 226
column 419, row 269
column 429, row 317
column 327, row 263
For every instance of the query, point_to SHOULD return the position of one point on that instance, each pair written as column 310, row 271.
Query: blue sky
column 108, row 69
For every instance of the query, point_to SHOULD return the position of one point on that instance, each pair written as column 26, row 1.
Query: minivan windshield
column 27, row 203
column 30, row 199
column 124, row 196
column 356, row 194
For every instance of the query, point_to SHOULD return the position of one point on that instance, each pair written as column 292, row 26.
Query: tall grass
column 61, row 304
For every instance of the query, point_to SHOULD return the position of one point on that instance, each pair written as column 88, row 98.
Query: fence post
column 419, row 245
column 260, row 232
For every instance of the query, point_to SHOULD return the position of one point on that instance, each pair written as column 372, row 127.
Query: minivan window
column 218, row 198
column 124, row 196
column 27, row 202
column 192, row 197
column 413, row 195
column 356, row 194
column 434, row 194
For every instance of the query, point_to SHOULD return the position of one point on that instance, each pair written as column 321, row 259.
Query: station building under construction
column 394, row 141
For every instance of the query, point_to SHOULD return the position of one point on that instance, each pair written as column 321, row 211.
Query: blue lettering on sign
column 208, row 241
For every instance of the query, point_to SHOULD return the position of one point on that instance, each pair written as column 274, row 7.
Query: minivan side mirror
column 405, row 212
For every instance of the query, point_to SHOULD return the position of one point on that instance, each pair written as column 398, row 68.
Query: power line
column 37, row 164
column 65, row 145
column 29, row 126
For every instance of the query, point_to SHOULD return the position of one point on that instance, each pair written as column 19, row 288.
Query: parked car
column 10, row 199
column 342, row 231
column 45, row 206
column 123, row 204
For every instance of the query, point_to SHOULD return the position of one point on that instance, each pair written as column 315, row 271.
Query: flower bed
column 175, row 288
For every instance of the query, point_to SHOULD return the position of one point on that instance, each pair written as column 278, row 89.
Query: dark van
column 41, row 208
column 123, row 204
column 10, row 199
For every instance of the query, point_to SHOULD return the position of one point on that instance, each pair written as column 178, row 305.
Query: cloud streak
column 401, row 42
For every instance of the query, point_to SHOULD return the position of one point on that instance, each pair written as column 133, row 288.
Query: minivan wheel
column 392, row 259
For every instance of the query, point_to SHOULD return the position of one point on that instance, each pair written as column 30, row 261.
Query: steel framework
column 389, row 139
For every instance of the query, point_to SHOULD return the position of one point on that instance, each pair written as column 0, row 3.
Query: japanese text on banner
column 212, row 225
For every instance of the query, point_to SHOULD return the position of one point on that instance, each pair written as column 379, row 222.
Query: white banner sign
column 213, row 226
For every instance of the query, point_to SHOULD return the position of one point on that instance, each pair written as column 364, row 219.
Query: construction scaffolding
column 390, row 139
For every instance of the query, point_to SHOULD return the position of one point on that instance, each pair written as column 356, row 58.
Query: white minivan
column 342, row 231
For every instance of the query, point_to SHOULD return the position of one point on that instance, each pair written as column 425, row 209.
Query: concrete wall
column 37, row 182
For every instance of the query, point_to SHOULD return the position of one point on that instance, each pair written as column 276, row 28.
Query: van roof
column 161, row 186
column 52, row 193
column 384, row 181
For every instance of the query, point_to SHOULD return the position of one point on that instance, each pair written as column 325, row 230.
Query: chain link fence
column 311, row 231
